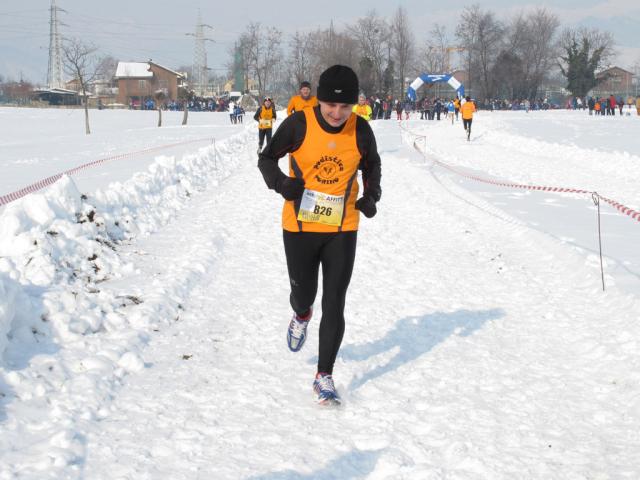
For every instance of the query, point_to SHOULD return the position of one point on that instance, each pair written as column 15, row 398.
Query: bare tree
column 300, row 58
column 366, row 75
column 532, row 39
column 466, row 33
column 372, row 34
column 253, row 48
column 328, row 47
column 106, row 69
column 80, row 62
column 481, row 34
column 434, row 55
column 269, row 62
column 509, row 74
column 263, row 52
column 18, row 92
column 402, row 44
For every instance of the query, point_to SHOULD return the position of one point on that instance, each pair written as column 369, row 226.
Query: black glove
column 290, row 188
column 367, row 205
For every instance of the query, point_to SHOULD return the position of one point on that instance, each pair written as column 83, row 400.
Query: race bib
column 318, row 207
column 266, row 123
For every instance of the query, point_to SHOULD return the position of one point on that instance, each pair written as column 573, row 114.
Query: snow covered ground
column 557, row 149
column 142, row 322
column 37, row 143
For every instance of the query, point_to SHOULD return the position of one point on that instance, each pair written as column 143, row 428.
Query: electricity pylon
column 54, row 71
column 200, row 71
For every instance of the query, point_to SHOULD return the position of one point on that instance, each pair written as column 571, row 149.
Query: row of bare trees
column 502, row 58
column 381, row 51
column 12, row 91
column 513, row 59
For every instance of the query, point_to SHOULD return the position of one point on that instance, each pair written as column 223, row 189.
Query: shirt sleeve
column 290, row 108
column 370, row 159
column 287, row 138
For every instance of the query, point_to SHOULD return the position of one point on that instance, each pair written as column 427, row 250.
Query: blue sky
column 152, row 29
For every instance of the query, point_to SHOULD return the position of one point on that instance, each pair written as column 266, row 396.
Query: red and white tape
column 634, row 214
column 34, row 187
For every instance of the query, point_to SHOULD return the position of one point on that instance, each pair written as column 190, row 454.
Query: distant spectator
column 232, row 112
column 362, row 109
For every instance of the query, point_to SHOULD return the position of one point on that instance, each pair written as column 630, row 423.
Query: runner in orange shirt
column 297, row 103
column 265, row 116
column 467, row 109
column 327, row 144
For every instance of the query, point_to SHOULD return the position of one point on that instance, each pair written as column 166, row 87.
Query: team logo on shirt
column 327, row 169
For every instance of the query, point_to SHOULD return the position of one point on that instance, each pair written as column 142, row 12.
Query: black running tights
column 336, row 252
column 264, row 132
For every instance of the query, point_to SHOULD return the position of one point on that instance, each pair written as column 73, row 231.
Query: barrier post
column 596, row 200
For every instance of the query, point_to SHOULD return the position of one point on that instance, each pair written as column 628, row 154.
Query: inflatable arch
column 432, row 78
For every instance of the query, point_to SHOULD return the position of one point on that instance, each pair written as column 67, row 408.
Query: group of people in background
column 236, row 112
column 606, row 106
column 195, row 104
column 369, row 108
column 379, row 107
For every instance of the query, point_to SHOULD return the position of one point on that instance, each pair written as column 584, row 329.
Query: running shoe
column 325, row 389
column 297, row 331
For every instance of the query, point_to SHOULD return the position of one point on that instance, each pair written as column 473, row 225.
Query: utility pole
column 54, row 71
column 199, row 69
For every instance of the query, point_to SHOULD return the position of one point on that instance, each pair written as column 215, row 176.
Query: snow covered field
column 144, row 305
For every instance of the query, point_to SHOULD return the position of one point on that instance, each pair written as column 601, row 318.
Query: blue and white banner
column 433, row 78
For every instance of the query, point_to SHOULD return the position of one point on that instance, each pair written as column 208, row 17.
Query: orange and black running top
column 298, row 104
column 328, row 163
column 467, row 110
column 327, row 159
column 265, row 117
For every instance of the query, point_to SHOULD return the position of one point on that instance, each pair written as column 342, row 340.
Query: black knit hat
column 338, row 84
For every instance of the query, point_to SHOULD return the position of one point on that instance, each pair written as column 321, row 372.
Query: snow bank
column 66, row 341
column 56, row 246
column 13, row 307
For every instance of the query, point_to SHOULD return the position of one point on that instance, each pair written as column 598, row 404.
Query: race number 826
column 320, row 207
column 320, row 210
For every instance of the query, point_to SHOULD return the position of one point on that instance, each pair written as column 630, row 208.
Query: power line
column 16, row 13
column 103, row 20
column 117, row 37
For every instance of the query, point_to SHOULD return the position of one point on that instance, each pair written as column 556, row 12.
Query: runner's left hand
column 367, row 205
